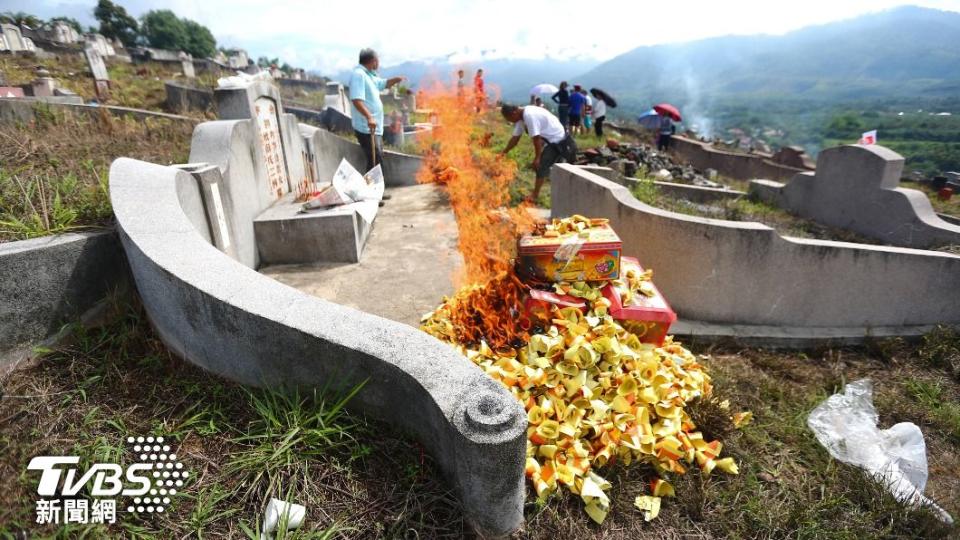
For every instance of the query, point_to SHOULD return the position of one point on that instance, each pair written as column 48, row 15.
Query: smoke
column 695, row 109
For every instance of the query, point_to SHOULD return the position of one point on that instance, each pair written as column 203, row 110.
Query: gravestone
column 278, row 147
column 186, row 61
column 13, row 37
column 856, row 188
column 101, row 78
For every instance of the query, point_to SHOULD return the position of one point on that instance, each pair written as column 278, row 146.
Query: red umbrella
column 667, row 109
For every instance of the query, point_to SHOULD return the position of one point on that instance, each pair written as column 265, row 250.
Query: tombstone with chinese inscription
column 264, row 170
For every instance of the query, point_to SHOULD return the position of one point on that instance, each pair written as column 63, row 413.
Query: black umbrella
column 607, row 98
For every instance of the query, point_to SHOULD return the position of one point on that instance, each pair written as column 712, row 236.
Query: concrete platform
column 285, row 236
column 409, row 263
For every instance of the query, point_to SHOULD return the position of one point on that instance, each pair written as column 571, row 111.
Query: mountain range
column 905, row 52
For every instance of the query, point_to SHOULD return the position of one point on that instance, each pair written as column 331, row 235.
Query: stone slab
column 284, row 235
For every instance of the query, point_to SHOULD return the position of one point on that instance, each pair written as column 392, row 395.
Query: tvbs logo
column 105, row 479
column 150, row 481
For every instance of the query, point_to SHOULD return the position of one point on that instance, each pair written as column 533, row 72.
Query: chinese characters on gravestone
column 270, row 142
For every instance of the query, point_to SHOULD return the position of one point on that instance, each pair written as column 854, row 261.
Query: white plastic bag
column 846, row 425
column 243, row 79
column 279, row 511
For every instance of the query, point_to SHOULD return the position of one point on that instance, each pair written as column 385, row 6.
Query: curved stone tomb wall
column 747, row 277
column 855, row 187
column 227, row 318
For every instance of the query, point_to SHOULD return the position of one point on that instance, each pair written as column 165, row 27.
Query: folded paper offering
column 595, row 392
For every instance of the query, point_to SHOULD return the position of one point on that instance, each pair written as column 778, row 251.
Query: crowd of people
column 552, row 135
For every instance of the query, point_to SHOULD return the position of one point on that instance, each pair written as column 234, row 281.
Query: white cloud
column 326, row 35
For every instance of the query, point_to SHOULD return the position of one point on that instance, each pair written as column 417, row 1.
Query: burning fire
column 478, row 181
column 594, row 393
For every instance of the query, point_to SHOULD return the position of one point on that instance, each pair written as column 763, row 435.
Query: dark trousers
column 598, row 125
column 564, row 113
column 368, row 154
column 663, row 141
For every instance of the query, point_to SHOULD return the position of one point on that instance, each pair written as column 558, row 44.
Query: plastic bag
column 243, row 79
column 846, row 425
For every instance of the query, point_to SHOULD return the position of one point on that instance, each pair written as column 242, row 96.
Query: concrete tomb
column 743, row 281
column 192, row 242
column 855, row 187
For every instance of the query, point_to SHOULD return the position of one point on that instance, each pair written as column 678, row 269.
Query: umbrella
column 544, row 88
column 650, row 119
column 667, row 109
column 607, row 98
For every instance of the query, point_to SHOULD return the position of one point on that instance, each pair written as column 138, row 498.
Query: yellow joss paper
column 662, row 488
column 596, row 395
column 741, row 419
column 650, row 506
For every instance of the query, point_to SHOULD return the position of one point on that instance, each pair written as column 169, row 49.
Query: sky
column 325, row 36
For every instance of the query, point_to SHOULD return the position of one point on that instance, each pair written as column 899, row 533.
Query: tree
column 75, row 24
column 163, row 30
column 116, row 23
column 25, row 19
column 200, row 41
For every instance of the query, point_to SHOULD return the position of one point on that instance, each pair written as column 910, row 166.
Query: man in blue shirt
column 367, row 113
column 578, row 104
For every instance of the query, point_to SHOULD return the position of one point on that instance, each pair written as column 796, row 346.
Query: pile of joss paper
column 596, row 395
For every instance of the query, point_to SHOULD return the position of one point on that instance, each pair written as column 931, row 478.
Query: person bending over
column 551, row 143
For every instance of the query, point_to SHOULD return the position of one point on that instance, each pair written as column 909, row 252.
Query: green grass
column 358, row 479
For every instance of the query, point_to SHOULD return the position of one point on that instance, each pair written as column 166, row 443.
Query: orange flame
column 477, row 179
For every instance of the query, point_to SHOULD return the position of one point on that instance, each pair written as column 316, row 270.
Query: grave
column 855, row 187
column 13, row 39
column 741, row 281
column 288, row 170
column 186, row 62
column 101, row 78
column 193, row 245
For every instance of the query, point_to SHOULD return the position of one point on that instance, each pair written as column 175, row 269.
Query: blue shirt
column 366, row 85
column 666, row 125
column 577, row 101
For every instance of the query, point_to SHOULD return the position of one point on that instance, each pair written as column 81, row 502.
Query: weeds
column 53, row 173
column 360, row 480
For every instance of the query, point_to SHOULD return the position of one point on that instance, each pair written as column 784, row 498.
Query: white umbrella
column 543, row 88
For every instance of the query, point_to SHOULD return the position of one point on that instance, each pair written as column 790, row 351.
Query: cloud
column 326, row 36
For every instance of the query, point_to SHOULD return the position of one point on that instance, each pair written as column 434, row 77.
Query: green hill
column 904, row 52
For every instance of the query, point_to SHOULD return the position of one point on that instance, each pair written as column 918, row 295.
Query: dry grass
column 132, row 85
column 360, row 480
column 53, row 172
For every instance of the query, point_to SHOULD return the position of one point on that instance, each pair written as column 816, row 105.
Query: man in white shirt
column 599, row 115
column 551, row 143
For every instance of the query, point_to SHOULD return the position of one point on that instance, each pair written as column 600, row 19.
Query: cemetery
column 405, row 352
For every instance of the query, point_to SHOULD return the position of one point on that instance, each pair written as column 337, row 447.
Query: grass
column 949, row 207
column 53, row 171
column 132, row 85
column 745, row 209
column 358, row 479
